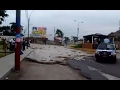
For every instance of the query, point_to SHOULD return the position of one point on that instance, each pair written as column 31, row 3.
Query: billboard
column 39, row 31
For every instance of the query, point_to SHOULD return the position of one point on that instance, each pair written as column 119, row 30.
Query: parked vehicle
column 106, row 51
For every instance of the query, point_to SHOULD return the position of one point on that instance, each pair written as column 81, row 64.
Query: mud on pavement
column 36, row 71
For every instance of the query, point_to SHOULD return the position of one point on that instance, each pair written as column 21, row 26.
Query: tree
column 3, row 15
column 66, row 38
column 74, row 38
column 4, row 28
column 10, row 30
column 59, row 33
column 13, row 28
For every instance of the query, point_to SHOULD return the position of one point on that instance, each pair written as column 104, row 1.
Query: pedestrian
column 12, row 45
column 23, row 45
column 10, row 48
column 66, row 41
column 27, row 43
column 45, row 40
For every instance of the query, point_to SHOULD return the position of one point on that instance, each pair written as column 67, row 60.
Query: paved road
column 97, row 71
column 36, row 71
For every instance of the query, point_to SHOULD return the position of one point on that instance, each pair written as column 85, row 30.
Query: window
column 105, row 46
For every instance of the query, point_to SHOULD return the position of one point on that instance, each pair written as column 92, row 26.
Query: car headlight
column 113, row 54
column 97, row 52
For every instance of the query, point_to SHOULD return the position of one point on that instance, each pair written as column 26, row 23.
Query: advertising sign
column 39, row 31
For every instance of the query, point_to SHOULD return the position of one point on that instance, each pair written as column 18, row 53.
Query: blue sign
column 18, row 36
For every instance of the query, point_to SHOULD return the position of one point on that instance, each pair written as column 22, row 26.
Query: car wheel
column 97, row 59
column 114, row 60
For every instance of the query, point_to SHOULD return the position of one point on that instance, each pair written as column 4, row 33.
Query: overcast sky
column 94, row 21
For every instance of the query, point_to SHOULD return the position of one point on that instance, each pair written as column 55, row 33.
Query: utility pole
column 18, row 46
column 28, row 21
column 78, row 30
column 119, row 24
column 54, row 31
column 28, row 27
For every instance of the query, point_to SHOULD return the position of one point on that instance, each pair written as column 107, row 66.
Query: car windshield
column 105, row 46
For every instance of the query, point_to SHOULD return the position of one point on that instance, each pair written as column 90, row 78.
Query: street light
column 54, row 31
column 28, row 20
column 26, row 29
column 78, row 27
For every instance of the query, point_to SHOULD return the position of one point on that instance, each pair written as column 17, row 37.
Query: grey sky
column 94, row 21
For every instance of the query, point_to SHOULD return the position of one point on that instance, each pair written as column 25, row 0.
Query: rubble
column 50, row 54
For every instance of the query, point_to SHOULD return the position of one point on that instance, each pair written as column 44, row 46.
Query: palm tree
column 59, row 33
column 13, row 28
column 3, row 15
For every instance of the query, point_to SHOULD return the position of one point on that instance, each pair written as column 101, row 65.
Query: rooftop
column 96, row 35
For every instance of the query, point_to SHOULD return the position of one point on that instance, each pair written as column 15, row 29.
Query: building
column 115, row 36
column 92, row 38
column 92, row 41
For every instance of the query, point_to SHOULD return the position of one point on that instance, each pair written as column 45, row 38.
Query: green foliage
column 59, row 33
column 4, row 28
column 78, row 46
column 75, row 39
column 10, row 30
column 13, row 27
column 67, row 38
column 1, row 42
column 3, row 15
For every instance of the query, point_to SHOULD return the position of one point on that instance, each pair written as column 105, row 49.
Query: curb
column 11, row 69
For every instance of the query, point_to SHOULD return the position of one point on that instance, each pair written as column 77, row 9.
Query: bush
column 78, row 46
column 1, row 42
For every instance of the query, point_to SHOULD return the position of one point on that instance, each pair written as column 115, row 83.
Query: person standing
column 45, row 40
column 23, row 44
column 12, row 42
column 27, row 43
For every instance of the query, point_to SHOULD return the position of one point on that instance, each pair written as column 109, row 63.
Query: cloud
column 94, row 21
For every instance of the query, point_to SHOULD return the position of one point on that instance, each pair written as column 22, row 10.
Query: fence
column 87, row 45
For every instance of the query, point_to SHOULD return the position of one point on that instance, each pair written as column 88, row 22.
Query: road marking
column 108, row 76
column 93, row 69
column 97, row 63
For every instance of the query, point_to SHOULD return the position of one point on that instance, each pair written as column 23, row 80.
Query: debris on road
column 51, row 54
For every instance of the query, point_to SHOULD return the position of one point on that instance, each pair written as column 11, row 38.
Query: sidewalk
column 7, row 63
